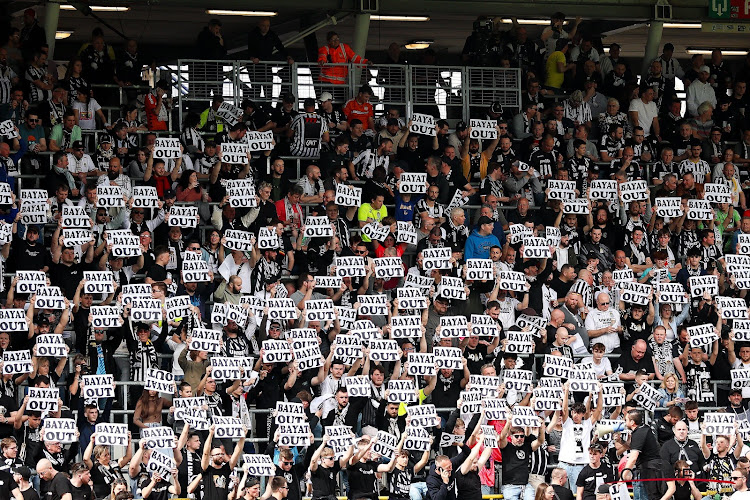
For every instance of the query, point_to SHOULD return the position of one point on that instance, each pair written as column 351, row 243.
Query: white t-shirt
column 507, row 314
column 602, row 368
column 87, row 113
column 646, row 113
column 575, row 441
column 596, row 320
column 85, row 164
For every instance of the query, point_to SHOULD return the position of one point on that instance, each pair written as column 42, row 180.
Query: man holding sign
column 215, row 467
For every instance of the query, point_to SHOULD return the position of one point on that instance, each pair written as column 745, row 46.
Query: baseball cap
column 77, row 145
column 595, row 169
column 603, row 489
column 23, row 471
column 614, row 44
column 105, row 139
column 326, row 96
column 42, row 320
column 484, row 220
column 392, row 122
column 288, row 98
column 704, row 69
column 668, row 46
column 461, row 126
column 169, row 193
column 592, row 256
column 496, row 108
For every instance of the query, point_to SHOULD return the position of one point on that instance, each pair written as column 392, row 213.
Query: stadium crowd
column 540, row 311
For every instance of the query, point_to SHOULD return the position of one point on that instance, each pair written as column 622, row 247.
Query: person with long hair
column 148, row 409
column 74, row 80
column 104, row 474
column 189, row 189
column 544, row 492
column 86, row 110
column 670, row 392
column 214, row 251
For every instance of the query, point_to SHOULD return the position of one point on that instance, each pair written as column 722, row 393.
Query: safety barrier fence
column 443, row 91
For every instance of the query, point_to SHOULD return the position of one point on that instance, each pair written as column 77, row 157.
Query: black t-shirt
column 216, row 482
column 644, row 440
column 157, row 273
column 292, row 481
column 469, row 485
column 7, row 485
column 56, row 488
column 399, row 482
column 562, row 493
column 682, row 492
column 447, row 390
column 67, row 277
column 188, row 469
column 362, row 480
column 30, row 494
column 82, row 492
column 7, row 406
column 590, row 479
column 103, row 477
column 324, row 480
column 629, row 365
column 516, row 463
column 160, row 491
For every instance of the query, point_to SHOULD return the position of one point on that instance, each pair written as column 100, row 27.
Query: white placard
column 577, row 206
column 358, row 387
column 195, row 271
column 13, row 320
column 717, row 193
column 146, row 310
column 61, row 430
column 243, row 241
column 633, row 191
column 160, row 381
column 422, row 124
column 669, row 207
column 282, row 309
column 448, row 358
column 145, row 197
column 731, row 307
column 512, row 280
column 703, row 284
column 479, row 270
column 276, row 351
column 535, row 248
column 319, row 310
column 376, row 231
column 483, row 129
column 719, row 424
column 350, row 267
column 74, row 216
column 109, row 196
column 348, row 196
column 160, row 437
column 241, row 193
column 603, row 189
column 634, row 292
column 671, row 293
column 185, row 217
column 318, row 227
column 43, row 399
column 561, row 190
column 205, row 339
column 420, row 364
column 702, row 335
column 436, row 258
column 98, row 386
column 699, row 210
column 159, row 463
column 111, row 434
column 412, row 183
column 259, row 465
column 51, row 345
column 260, row 141
column 167, row 148
column 229, row 113
column 372, row 305
column 483, row 325
column 557, row 366
column 453, row 327
column 452, row 288
column 518, row 380
column 8, row 129
column 99, row 282
column 402, row 391
column 523, row 416
column 424, row 415
column 17, row 362
column 486, row 385
column 384, row 351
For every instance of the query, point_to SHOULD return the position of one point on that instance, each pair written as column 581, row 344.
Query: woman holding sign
column 104, row 474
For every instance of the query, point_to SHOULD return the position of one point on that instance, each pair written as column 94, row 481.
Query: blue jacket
column 478, row 246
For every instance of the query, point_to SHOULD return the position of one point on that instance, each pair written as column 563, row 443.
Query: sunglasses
column 287, row 463
column 519, row 436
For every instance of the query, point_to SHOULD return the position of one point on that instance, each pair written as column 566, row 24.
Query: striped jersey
column 36, row 94
column 308, row 134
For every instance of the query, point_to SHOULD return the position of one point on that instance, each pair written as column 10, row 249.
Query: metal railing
column 444, row 91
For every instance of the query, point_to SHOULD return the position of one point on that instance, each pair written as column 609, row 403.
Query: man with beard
column 473, row 161
column 115, row 177
column 216, row 469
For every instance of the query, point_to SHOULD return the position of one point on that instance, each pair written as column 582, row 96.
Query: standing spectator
column 210, row 45
column 261, row 43
column 359, row 108
column 644, row 113
column 700, row 91
column 309, row 132
column 40, row 80
column 157, row 106
column 336, row 54
column 32, row 36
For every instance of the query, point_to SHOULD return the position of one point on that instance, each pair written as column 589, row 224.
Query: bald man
column 56, row 485
column 638, row 358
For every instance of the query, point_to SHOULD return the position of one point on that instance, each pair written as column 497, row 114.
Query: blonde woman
column 670, row 393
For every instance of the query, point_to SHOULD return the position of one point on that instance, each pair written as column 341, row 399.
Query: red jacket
column 340, row 55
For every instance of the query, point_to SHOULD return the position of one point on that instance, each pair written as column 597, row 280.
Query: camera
column 686, row 473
